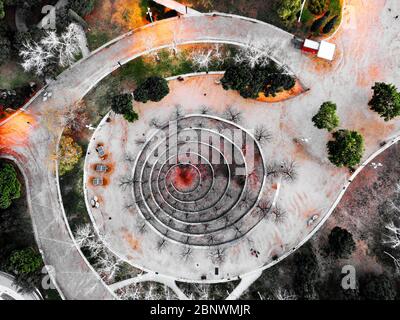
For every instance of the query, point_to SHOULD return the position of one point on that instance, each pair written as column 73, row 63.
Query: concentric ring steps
column 198, row 180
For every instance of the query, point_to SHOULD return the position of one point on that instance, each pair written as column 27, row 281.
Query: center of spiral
column 185, row 177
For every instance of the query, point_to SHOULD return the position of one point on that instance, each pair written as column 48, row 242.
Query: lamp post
column 150, row 14
column 301, row 11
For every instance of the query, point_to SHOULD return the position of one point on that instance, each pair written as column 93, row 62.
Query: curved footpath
column 32, row 143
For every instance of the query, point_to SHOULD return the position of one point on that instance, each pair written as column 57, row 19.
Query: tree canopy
column 341, row 243
column 25, row 261
column 69, row 154
column 288, row 10
column 385, row 100
column 267, row 78
column 326, row 118
column 316, row 6
column 153, row 89
column 5, row 49
column 131, row 116
column 377, row 287
column 10, row 187
column 306, row 272
column 346, row 149
column 2, row 13
column 82, row 7
column 121, row 103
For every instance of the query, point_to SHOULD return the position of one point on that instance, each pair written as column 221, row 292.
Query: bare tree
column 285, row 169
column 253, row 55
column 262, row 134
column 232, row 114
column 278, row 213
column 393, row 237
column 156, row 123
column 126, row 182
column 263, row 208
column 162, row 244
column 64, row 49
column 283, row 294
column 186, row 253
column 204, row 110
column 83, row 234
column 217, row 255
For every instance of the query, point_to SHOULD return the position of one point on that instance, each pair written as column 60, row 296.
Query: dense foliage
column 153, row 89
column 341, row 243
column 326, row 118
column 385, row 101
column 288, row 10
column 330, row 24
column 268, row 78
column 346, row 149
column 82, row 7
column 131, row 116
column 316, row 6
column 306, row 272
column 377, row 287
column 69, row 154
column 5, row 49
column 121, row 103
column 25, row 261
column 10, row 187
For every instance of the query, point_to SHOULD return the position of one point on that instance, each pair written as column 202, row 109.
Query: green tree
column 385, row 100
column 316, row 6
column 82, row 7
column 5, row 49
column 341, row 243
column 121, row 103
column 2, row 13
column 131, row 116
column 288, row 10
column 377, row 287
column 69, row 154
column 326, row 118
column 346, row 149
column 25, row 261
column 306, row 272
column 153, row 89
column 250, row 82
column 10, row 187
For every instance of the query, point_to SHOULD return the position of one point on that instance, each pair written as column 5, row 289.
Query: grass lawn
column 12, row 75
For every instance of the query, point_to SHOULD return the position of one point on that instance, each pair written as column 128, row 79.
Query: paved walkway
column 32, row 144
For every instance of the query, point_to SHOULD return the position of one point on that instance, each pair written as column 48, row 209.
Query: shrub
column 82, row 7
column 377, row 287
column 153, row 89
column 69, row 154
column 317, row 24
column 250, row 82
column 326, row 118
column 288, row 10
column 316, row 6
column 341, row 243
column 10, row 187
column 121, row 103
column 25, row 261
column 346, row 149
column 385, row 101
column 5, row 49
column 329, row 25
column 131, row 116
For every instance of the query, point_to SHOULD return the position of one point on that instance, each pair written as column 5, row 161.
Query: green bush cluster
column 153, row 89
column 10, row 187
column 268, row 78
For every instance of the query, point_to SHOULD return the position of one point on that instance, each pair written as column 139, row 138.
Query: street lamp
column 150, row 14
column 301, row 11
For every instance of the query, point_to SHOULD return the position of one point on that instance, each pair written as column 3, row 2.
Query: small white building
column 323, row 49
